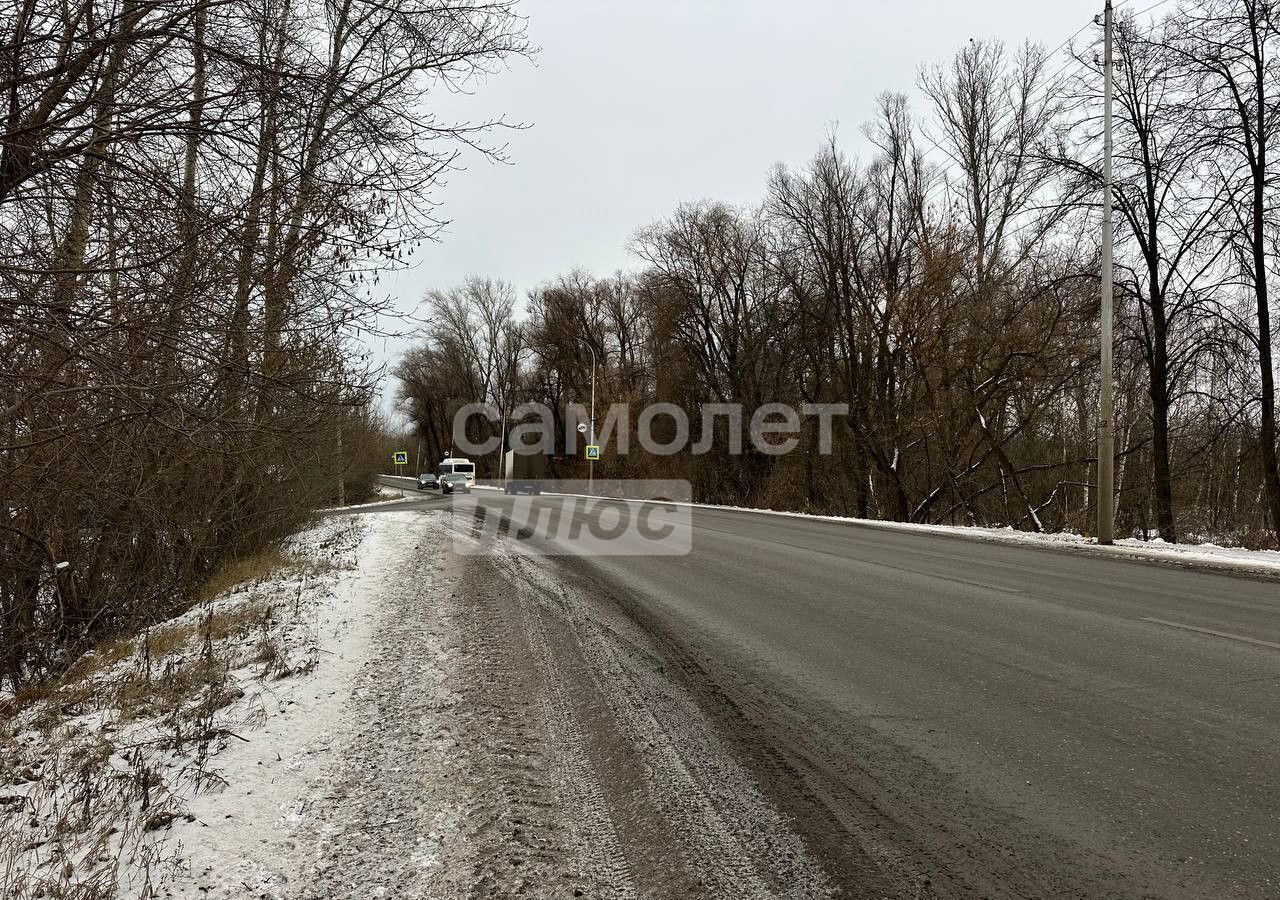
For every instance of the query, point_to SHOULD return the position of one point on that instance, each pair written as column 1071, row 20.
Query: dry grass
column 104, row 656
column 245, row 570
column 218, row 625
column 98, row 785
column 269, row 653
column 177, row 667
column 29, row 694
column 67, row 692
column 165, row 691
column 54, row 698
column 240, row 621
column 168, row 640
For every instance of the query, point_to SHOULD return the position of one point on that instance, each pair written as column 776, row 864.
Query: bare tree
column 947, row 291
column 1230, row 46
column 195, row 199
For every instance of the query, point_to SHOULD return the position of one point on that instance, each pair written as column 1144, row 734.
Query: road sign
column 593, row 451
column 400, row 457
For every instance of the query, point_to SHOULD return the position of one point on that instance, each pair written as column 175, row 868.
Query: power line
column 1036, row 222
column 1145, row 10
column 1050, row 83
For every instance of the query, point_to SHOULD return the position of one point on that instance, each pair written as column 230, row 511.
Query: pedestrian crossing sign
column 401, row 457
column 593, row 451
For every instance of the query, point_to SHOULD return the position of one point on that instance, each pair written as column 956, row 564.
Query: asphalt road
column 982, row 720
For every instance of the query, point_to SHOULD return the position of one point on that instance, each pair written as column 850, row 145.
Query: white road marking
column 1221, row 634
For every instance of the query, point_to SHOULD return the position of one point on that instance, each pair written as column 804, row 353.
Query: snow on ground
column 385, row 495
column 182, row 757
column 243, row 836
column 1209, row 555
column 1202, row 555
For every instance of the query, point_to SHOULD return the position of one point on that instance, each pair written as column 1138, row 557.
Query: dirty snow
column 386, row 496
column 140, row 779
column 1205, row 554
column 243, row 841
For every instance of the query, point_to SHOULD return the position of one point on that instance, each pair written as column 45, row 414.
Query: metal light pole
column 502, row 443
column 1106, row 415
column 591, row 463
column 502, row 447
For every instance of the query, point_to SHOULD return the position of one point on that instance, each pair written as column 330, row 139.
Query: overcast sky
column 634, row 108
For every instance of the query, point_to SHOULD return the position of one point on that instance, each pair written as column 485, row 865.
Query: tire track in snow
column 734, row 844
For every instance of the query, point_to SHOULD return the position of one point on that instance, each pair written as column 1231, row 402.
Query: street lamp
column 502, row 442
column 591, row 463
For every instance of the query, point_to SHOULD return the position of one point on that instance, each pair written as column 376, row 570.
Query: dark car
column 454, row 481
column 428, row 481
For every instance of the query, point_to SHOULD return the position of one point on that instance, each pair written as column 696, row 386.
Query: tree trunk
column 1162, row 493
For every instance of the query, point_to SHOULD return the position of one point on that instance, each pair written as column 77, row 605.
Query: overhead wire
column 1051, row 83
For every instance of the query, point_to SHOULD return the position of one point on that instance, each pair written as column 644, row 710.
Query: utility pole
column 1106, row 414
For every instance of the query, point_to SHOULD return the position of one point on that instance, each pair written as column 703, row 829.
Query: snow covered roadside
column 385, row 497
column 172, row 762
column 241, row 840
column 1265, row 563
column 1212, row 556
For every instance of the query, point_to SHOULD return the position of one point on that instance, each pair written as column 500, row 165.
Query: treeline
column 195, row 197
column 947, row 289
